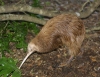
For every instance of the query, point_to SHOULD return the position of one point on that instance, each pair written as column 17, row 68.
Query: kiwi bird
column 64, row 29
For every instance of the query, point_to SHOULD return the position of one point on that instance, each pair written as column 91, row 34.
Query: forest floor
column 46, row 65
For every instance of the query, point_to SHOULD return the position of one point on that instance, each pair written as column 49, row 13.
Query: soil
column 46, row 65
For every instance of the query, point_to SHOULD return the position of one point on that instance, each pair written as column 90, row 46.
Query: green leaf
column 8, row 68
column 16, row 73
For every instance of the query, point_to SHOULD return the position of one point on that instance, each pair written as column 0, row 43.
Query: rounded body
column 64, row 29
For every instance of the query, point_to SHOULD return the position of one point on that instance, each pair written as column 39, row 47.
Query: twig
column 84, row 5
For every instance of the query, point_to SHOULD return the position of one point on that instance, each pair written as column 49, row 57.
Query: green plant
column 15, row 32
column 8, row 68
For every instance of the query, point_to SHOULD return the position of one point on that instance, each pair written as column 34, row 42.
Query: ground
column 46, row 65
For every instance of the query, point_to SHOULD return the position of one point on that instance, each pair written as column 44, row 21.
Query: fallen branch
column 22, row 17
column 89, row 10
column 26, row 8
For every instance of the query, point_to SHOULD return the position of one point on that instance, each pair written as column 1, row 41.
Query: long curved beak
column 25, row 59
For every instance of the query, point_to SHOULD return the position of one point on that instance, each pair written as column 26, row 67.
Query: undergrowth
column 14, row 32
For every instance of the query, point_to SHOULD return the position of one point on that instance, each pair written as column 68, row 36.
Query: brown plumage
column 64, row 29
